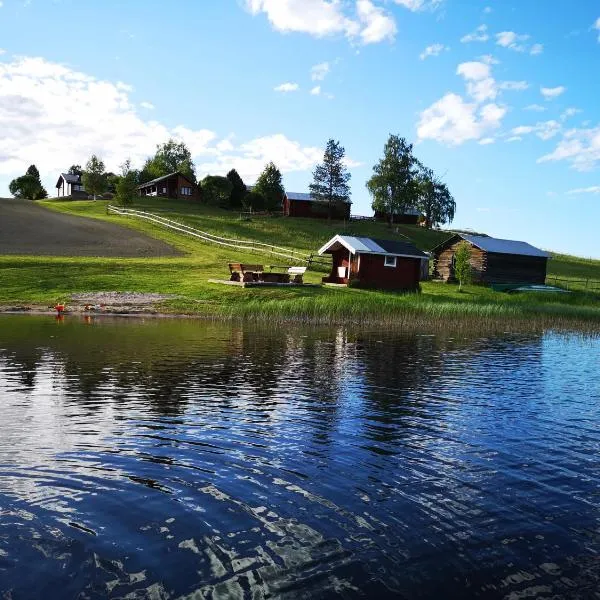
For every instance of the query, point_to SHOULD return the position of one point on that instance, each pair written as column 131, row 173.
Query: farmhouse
column 175, row 185
column 304, row 205
column 386, row 264
column 69, row 186
column 493, row 260
column 410, row 216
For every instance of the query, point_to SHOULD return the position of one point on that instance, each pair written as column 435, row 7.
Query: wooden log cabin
column 366, row 262
column 175, row 185
column 410, row 216
column 493, row 260
column 304, row 205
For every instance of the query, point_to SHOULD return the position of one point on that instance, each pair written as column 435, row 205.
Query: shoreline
column 416, row 320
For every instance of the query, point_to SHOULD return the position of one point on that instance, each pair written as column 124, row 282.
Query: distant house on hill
column 70, row 186
column 175, row 185
column 410, row 216
column 386, row 264
column 304, row 205
column 493, row 260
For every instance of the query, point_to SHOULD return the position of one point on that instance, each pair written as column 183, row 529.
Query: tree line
column 400, row 182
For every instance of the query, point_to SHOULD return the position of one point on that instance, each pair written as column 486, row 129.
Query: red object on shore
column 60, row 308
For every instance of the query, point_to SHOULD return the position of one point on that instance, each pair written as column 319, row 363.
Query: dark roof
column 499, row 246
column 364, row 245
column 69, row 178
column 302, row 197
column 159, row 179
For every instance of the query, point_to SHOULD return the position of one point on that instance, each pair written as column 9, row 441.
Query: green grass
column 43, row 281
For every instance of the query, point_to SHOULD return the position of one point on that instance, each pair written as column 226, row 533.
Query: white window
column 390, row 261
column 186, row 191
column 164, row 190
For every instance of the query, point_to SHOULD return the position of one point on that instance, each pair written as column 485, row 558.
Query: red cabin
column 304, row 205
column 386, row 264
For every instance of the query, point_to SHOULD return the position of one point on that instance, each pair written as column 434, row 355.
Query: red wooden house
column 304, row 205
column 175, row 185
column 386, row 264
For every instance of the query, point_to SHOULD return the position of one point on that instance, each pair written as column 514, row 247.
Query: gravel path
column 27, row 228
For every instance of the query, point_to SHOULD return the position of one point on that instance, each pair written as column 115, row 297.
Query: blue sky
column 499, row 97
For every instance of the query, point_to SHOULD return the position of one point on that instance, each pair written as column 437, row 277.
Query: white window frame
column 390, row 261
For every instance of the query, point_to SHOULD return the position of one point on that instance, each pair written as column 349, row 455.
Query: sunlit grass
column 43, row 281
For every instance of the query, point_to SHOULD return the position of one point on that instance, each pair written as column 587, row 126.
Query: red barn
column 385, row 264
column 304, row 205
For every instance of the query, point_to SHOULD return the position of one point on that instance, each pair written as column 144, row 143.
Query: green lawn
column 44, row 281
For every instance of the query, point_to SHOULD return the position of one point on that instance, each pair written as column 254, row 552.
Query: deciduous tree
column 462, row 264
column 216, row 190
column 394, row 184
column 126, row 184
column 253, row 201
column 435, row 200
column 238, row 191
column 75, row 170
column 94, row 177
column 169, row 158
column 331, row 178
column 269, row 185
column 28, row 186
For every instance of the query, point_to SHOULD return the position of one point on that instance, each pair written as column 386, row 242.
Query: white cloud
column 316, row 91
column 54, row 116
column 486, row 141
column 545, row 130
column 287, row 87
column 147, row 105
column 594, row 189
column 514, row 86
column 433, row 50
column 322, row 18
column 570, row 112
column 512, row 40
column 536, row 107
column 453, row 121
column 479, row 35
column 2, row 51
column 480, row 84
column 417, row 5
column 550, row 93
column 474, row 71
column 320, row 71
column 316, row 17
column 514, row 138
column 487, row 10
column 377, row 24
column 579, row 147
column 597, row 27
column 536, row 49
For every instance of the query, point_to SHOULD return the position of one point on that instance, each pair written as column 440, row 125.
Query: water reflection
column 171, row 458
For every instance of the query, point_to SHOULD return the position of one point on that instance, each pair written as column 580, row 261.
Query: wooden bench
column 297, row 273
column 245, row 272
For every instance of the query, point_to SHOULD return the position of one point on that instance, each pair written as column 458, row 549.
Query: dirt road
column 28, row 228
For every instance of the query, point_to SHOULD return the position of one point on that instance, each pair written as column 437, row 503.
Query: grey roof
column 304, row 197
column 365, row 245
column 69, row 178
column 158, row 179
column 498, row 246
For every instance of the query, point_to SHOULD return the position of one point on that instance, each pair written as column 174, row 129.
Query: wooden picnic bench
column 245, row 272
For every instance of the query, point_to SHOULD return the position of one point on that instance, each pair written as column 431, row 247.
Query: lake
column 174, row 458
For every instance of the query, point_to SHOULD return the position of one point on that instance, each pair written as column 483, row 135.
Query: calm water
column 170, row 459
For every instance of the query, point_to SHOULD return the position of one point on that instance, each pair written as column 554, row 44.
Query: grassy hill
column 36, row 280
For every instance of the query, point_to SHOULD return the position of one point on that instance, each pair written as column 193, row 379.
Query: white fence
column 248, row 245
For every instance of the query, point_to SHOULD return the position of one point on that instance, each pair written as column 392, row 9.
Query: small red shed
column 387, row 264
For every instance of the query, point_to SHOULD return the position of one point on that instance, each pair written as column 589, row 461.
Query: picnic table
column 255, row 272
